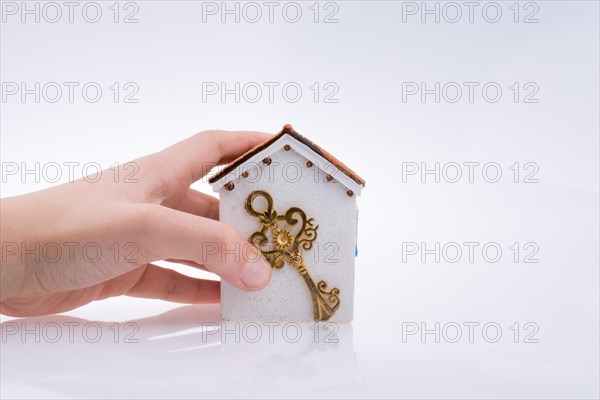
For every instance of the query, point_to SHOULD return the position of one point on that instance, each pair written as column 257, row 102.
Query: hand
column 83, row 241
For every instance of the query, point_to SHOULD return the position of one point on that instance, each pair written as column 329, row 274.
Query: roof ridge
column 288, row 130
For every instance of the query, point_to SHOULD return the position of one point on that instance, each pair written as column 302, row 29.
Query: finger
column 166, row 284
column 171, row 234
column 196, row 156
column 188, row 263
column 198, row 203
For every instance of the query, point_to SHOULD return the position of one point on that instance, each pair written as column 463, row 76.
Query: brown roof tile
column 288, row 130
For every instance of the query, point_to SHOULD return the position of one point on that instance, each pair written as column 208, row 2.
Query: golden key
column 277, row 243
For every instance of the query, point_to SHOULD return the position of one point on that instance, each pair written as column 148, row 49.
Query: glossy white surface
column 187, row 352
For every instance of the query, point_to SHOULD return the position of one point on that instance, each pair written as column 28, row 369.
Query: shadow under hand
column 184, row 352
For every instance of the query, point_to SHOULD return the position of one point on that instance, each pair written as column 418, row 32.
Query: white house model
column 297, row 204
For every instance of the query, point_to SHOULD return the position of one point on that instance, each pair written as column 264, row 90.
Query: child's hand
column 83, row 241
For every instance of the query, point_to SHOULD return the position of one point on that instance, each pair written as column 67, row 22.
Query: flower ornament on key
column 278, row 243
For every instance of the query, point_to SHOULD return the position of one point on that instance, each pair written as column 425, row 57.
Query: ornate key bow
column 277, row 243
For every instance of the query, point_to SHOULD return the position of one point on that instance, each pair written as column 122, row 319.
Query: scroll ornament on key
column 278, row 243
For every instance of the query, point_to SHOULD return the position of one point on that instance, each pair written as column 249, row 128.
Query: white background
column 368, row 53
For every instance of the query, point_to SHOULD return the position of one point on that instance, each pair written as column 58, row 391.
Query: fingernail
column 256, row 274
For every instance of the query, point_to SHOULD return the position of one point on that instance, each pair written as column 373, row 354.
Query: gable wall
column 291, row 183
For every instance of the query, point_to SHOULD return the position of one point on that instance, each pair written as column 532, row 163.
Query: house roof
column 288, row 130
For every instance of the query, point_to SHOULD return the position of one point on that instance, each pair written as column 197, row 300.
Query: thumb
column 172, row 234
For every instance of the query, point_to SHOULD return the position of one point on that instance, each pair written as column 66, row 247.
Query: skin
column 45, row 270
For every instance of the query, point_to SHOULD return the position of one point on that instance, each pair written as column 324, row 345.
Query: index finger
column 194, row 157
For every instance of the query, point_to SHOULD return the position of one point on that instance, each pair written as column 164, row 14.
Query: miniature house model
column 297, row 204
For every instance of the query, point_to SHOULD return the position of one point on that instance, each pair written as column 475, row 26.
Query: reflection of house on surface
column 297, row 204
column 321, row 362
column 177, row 354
